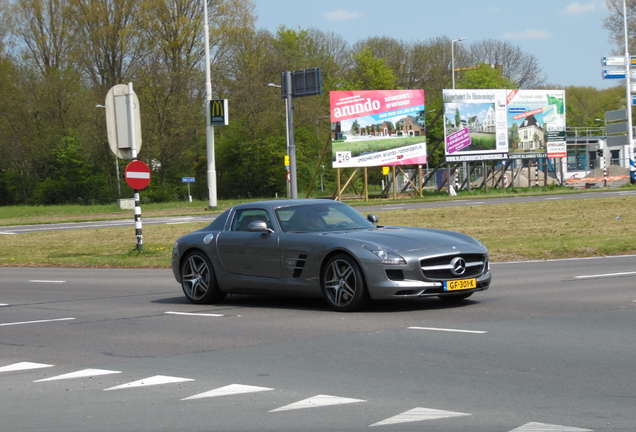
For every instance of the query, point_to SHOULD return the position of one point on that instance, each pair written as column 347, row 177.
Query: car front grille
column 458, row 266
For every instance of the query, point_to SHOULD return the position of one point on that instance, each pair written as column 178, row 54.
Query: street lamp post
column 453, row 56
column 209, row 129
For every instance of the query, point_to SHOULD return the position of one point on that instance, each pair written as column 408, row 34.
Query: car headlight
column 386, row 257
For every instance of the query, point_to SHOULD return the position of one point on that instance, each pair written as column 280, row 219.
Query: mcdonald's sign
column 218, row 112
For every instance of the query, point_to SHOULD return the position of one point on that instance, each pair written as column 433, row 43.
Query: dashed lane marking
column 80, row 374
column 541, row 427
column 34, row 322
column 23, row 366
column 449, row 330
column 232, row 389
column 419, row 414
column 318, row 401
column 194, row 314
column 151, row 381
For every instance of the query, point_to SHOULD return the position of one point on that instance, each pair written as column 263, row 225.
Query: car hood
column 413, row 239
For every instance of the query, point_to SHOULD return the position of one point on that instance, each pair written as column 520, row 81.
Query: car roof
column 272, row 204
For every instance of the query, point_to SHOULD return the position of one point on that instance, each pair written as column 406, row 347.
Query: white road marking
column 419, row 414
column 35, row 322
column 80, row 374
column 23, row 366
column 151, row 381
column 318, row 401
column 4, row 304
column 541, row 427
column 232, row 389
column 194, row 314
column 449, row 330
column 47, row 281
column 6, row 233
column 605, row 275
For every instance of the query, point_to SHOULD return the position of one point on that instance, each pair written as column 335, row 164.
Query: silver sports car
column 326, row 248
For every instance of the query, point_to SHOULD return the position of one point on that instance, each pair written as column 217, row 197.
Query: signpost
column 124, row 137
column 188, row 180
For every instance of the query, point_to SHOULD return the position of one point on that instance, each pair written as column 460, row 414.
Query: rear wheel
column 343, row 284
column 198, row 280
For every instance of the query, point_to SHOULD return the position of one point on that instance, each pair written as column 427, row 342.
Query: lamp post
column 209, row 129
column 453, row 56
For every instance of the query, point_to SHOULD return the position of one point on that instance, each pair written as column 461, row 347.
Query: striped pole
column 133, row 145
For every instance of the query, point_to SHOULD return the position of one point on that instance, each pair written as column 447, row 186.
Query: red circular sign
column 137, row 174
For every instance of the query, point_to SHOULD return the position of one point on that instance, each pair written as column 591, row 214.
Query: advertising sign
column 378, row 127
column 536, row 123
column 475, row 125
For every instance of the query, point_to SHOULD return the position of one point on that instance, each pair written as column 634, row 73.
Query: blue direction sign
column 187, row 179
column 613, row 74
column 613, row 61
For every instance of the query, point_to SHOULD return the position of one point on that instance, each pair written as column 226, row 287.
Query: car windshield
column 321, row 217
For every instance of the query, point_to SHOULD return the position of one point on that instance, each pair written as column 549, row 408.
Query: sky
column 567, row 37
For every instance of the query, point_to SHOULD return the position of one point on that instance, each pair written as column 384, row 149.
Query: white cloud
column 578, row 8
column 341, row 15
column 528, row 34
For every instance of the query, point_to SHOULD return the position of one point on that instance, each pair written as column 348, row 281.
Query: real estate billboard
column 475, row 125
column 378, row 127
column 536, row 123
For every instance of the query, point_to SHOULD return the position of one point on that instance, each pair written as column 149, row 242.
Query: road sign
column 613, row 74
column 187, row 179
column 137, row 174
column 218, row 112
column 117, row 124
column 615, row 115
column 613, row 61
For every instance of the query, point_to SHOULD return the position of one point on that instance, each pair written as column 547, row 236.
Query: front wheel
column 343, row 284
column 198, row 280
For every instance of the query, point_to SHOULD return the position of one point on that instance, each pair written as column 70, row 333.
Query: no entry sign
column 137, row 174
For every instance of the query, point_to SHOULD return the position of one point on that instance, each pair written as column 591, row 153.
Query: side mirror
column 259, row 226
column 372, row 218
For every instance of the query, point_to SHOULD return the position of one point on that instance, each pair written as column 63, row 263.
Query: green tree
column 484, row 77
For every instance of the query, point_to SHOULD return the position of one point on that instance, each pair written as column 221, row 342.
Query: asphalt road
column 550, row 347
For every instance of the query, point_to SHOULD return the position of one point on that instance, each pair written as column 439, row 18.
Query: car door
column 250, row 253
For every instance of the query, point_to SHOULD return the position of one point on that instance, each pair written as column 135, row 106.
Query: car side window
column 243, row 218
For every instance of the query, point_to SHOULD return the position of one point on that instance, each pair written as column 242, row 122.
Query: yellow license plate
column 460, row 284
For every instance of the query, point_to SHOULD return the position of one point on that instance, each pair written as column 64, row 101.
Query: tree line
column 59, row 58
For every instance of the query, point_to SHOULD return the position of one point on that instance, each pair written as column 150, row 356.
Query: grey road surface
column 550, row 347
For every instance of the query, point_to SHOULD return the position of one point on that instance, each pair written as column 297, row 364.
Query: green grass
column 538, row 230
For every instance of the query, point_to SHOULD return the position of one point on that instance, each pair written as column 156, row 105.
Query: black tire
column 455, row 297
column 198, row 280
column 343, row 284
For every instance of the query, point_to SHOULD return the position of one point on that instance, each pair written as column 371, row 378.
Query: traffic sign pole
column 131, row 131
column 630, row 131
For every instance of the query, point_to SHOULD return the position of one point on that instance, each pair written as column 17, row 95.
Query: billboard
column 504, row 124
column 536, row 123
column 475, row 125
column 378, row 127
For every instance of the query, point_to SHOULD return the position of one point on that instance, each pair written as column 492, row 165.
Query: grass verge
column 538, row 230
